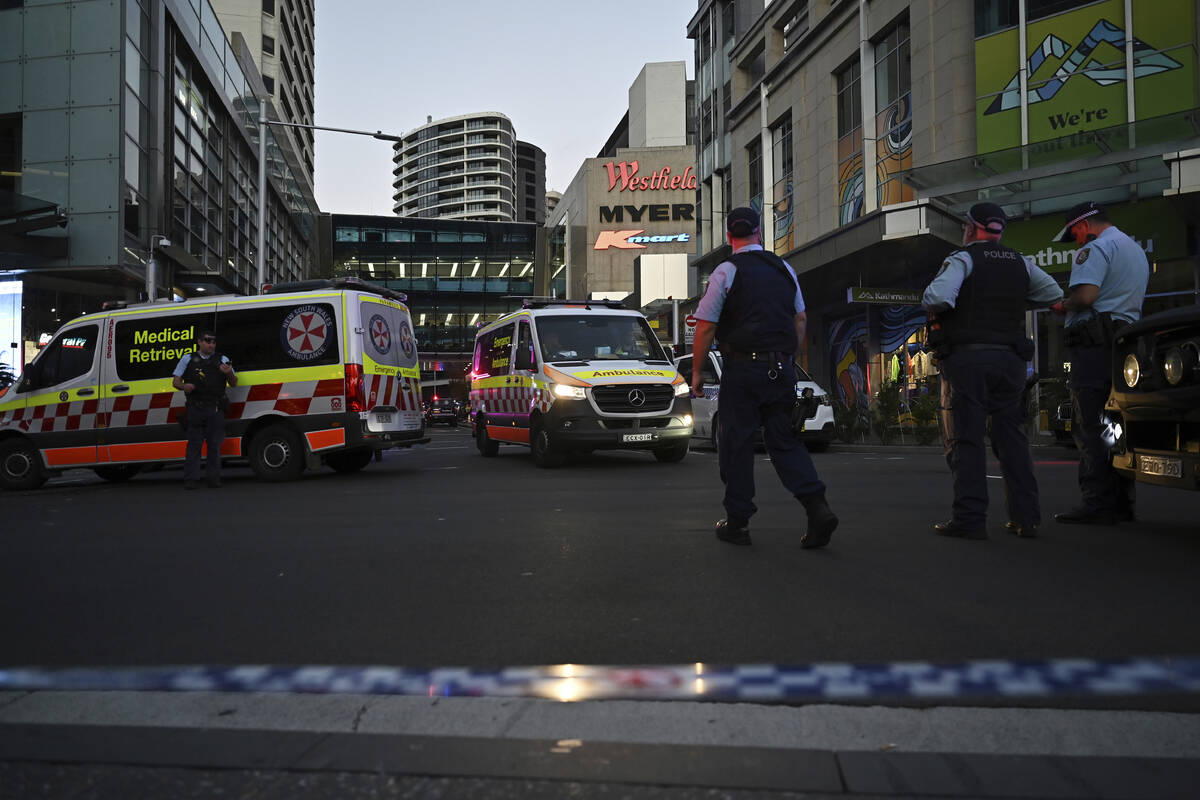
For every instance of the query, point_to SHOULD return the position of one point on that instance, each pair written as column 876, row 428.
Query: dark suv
column 1154, row 408
column 442, row 410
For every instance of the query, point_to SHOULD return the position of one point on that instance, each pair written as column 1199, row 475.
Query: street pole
column 260, row 254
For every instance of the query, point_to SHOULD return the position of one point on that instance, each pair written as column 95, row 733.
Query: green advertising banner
column 1154, row 224
column 1076, row 71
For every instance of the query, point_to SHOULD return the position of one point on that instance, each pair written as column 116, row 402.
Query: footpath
column 267, row 745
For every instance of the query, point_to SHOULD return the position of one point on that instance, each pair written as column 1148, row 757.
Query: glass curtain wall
column 850, row 143
column 781, row 160
column 458, row 276
column 893, row 118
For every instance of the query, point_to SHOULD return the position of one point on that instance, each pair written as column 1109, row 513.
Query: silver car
column 818, row 431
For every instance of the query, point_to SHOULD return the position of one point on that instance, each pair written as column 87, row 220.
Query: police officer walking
column 202, row 376
column 979, row 299
column 754, row 309
column 1105, row 291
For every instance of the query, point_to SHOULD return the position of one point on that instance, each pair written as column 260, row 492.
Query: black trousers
column 205, row 425
column 1102, row 488
column 978, row 386
column 751, row 397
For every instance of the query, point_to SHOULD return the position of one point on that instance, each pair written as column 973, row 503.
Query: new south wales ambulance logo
column 305, row 332
column 406, row 340
column 381, row 334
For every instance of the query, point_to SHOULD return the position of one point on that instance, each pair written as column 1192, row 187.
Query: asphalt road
column 439, row 557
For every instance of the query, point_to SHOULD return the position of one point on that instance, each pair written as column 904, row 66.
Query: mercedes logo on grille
column 637, row 398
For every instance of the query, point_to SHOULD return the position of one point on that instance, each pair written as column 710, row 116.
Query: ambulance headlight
column 1132, row 369
column 569, row 392
column 682, row 389
column 686, row 419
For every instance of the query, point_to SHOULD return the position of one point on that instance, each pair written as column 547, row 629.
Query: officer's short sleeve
column 713, row 301
column 942, row 291
column 799, row 294
column 1090, row 265
column 181, row 367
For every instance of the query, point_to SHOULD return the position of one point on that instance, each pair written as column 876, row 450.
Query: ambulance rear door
column 61, row 389
column 140, row 406
column 391, row 375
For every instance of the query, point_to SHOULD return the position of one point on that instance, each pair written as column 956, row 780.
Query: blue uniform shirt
column 721, row 281
column 181, row 367
column 942, row 292
column 1116, row 264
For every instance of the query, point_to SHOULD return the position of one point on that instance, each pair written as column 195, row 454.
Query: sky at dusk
column 560, row 71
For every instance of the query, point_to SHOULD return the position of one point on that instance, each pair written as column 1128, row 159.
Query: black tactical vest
column 206, row 375
column 760, row 307
column 991, row 303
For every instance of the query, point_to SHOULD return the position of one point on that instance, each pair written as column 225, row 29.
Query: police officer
column 979, row 299
column 1105, row 291
column 202, row 376
column 754, row 309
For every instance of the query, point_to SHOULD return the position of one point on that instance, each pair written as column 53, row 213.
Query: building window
column 754, row 173
column 781, row 161
column 850, row 155
column 269, row 45
column 269, row 7
column 893, row 118
column 996, row 15
column 269, row 82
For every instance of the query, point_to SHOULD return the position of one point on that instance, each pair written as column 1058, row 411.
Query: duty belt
column 773, row 356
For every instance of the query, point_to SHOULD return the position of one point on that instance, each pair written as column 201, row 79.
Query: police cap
column 988, row 216
column 741, row 222
column 1078, row 213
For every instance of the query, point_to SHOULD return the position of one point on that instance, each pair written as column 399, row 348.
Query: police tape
column 570, row 682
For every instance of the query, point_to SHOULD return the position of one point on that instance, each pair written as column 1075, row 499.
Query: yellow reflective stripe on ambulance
column 502, row 381
column 373, row 367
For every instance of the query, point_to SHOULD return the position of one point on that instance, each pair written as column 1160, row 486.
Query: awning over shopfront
column 1110, row 165
column 21, row 215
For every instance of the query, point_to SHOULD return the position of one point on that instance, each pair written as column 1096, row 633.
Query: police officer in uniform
column 202, row 376
column 754, row 309
column 1105, row 291
column 979, row 299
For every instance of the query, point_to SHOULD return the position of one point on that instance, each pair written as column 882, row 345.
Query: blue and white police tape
column 568, row 682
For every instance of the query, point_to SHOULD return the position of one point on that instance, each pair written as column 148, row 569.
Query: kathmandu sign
column 634, row 240
column 891, row 297
column 625, row 174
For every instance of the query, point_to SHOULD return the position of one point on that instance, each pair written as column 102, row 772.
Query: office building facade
column 458, row 275
column 864, row 130
column 280, row 35
column 131, row 145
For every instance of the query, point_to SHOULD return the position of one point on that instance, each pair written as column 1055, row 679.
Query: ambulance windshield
column 597, row 337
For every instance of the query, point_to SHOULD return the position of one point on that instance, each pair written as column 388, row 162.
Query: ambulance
column 568, row 376
column 327, row 374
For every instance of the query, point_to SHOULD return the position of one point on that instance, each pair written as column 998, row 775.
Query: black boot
column 821, row 521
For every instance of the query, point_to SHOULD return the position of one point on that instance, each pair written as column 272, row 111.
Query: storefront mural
column 848, row 354
column 1076, row 71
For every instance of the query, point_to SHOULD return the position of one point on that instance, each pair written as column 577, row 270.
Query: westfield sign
column 625, row 175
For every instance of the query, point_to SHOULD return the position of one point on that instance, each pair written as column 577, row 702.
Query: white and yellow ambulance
column 327, row 373
column 562, row 376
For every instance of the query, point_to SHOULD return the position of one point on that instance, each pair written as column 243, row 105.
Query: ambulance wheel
column 487, row 447
column 20, row 465
column 669, row 455
column 117, row 473
column 544, row 454
column 276, row 454
column 350, row 460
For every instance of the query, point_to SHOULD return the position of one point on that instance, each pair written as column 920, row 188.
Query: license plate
column 637, row 437
column 1158, row 465
column 384, row 418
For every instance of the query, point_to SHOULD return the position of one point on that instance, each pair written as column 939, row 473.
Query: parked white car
column 818, row 431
